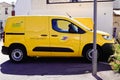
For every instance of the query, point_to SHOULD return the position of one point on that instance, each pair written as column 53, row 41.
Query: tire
column 17, row 54
column 87, row 53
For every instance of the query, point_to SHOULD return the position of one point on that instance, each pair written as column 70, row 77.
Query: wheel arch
column 17, row 45
column 91, row 45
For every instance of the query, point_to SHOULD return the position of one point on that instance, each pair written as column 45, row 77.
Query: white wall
column 105, row 11
column 22, row 7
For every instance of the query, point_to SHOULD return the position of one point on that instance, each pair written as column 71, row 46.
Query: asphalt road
column 50, row 67
column 46, row 68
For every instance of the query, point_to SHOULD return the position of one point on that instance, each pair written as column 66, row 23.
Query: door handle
column 54, row 35
column 43, row 35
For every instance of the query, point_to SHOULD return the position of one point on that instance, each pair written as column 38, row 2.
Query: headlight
column 106, row 37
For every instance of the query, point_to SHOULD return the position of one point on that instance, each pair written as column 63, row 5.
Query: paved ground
column 53, row 69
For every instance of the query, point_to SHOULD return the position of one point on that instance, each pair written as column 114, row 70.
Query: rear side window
column 65, row 26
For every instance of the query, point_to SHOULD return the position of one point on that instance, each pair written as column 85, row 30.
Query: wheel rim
column 89, row 54
column 17, row 55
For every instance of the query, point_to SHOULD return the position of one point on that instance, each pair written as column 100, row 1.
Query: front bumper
column 5, row 50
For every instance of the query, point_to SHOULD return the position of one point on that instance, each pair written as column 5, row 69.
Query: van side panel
column 37, row 35
column 14, row 31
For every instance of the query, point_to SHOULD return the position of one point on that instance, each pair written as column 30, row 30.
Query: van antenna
column 68, row 15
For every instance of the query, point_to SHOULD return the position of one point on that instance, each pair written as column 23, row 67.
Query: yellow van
column 52, row 36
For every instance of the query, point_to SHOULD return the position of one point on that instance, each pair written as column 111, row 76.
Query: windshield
column 82, row 25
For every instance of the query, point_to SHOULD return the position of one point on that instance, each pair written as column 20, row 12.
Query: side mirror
column 81, row 31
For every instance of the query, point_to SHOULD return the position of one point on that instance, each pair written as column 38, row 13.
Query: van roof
column 38, row 16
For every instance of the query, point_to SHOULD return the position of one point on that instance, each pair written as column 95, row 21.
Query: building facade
column 116, row 17
column 116, row 4
column 5, row 11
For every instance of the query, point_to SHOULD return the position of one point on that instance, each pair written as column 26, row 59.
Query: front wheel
column 87, row 53
column 17, row 54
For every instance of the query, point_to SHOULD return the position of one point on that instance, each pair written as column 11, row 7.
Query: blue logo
column 64, row 38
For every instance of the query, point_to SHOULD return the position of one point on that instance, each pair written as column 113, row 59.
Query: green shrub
column 114, row 60
column 118, row 38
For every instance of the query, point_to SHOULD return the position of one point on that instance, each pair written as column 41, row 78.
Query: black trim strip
column 15, row 33
column 77, row 2
column 52, row 49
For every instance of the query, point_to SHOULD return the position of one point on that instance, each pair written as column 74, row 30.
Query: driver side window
column 64, row 26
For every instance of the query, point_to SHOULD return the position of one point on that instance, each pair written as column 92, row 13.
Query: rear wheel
column 17, row 54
